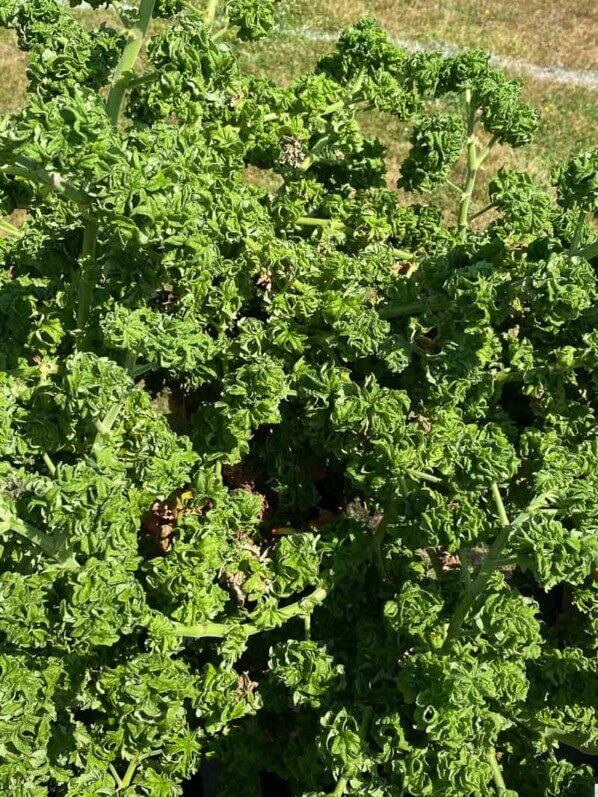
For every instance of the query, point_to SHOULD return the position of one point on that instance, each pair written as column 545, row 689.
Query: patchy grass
column 544, row 32
column 12, row 69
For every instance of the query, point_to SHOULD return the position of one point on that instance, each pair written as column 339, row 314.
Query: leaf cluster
column 304, row 463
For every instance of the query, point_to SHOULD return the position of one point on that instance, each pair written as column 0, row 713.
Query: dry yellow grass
column 545, row 32
column 12, row 70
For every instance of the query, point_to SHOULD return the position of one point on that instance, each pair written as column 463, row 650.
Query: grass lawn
column 544, row 32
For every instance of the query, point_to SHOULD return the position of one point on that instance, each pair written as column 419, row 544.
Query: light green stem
column 419, row 475
column 116, row 777
column 10, row 229
column 516, row 375
column 29, row 169
column 130, row 361
column 454, row 186
column 253, row 245
column 138, row 370
column 589, row 251
column 49, row 464
column 486, row 569
column 578, row 231
column 87, row 278
column 124, row 70
column 43, row 370
column 394, row 310
column 307, row 626
column 502, row 513
column 105, row 427
column 402, row 254
column 222, row 630
column 563, row 737
column 308, row 221
column 9, row 522
column 120, row 82
column 313, row 153
column 211, row 11
column 499, row 781
column 487, row 150
column 472, row 169
column 464, row 568
column 343, row 781
column 220, row 33
column 349, row 101
column 130, row 773
column 143, row 80
column 379, row 534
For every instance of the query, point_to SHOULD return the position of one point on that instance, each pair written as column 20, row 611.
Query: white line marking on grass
column 584, row 78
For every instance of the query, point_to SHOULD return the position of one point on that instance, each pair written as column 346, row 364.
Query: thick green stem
column 87, row 277
column 499, row 781
column 307, row 626
column 143, row 80
column 220, row 33
column 43, row 370
column 419, row 475
column 343, row 781
column 589, row 251
column 402, row 254
column 29, row 169
column 130, row 361
column 487, row 150
column 120, row 82
column 563, row 737
column 139, row 370
column 9, row 522
column 49, row 464
column 493, row 558
column 313, row 153
column 394, row 310
column 253, row 245
column 380, row 533
column 472, row 169
column 124, row 70
column 578, row 231
column 464, row 568
column 222, row 630
column 486, row 569
column 211, row 11
column 500, row 507
column 308, row 221
column 115, row 776
column 515, row 375
column 105, row 427
column 130, row 773
column 10, row 229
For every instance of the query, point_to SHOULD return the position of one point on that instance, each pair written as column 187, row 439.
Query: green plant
column 285, row 474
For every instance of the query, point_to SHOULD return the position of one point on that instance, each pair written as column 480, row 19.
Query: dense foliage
column 294, row 478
